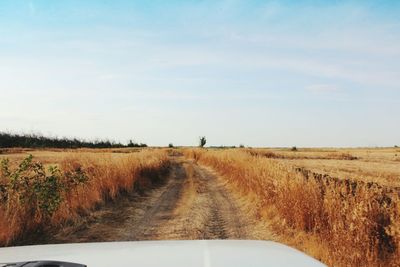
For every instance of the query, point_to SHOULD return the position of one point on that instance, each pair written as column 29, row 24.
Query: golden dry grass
column 380, row 165
column 56, row 155
column 338, row 205
column 342, row 222
column 86, row 179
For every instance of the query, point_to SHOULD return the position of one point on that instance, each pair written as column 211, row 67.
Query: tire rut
column 161, row 211
column 224, row 220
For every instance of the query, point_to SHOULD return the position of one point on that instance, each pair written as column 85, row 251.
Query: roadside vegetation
column 33, row 196
column 339, row 221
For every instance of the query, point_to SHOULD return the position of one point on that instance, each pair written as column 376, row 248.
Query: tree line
column 9, row 140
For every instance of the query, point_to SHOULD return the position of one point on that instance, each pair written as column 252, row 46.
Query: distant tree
column 241, row 146
column 294, row 148
column 202, row 141
column 170, row 145
column 396, row 146
column 132, row 144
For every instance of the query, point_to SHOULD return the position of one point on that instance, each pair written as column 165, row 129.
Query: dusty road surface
column 192, row 203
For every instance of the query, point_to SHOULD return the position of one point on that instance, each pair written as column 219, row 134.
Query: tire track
column 225, row 220
column 145, row 228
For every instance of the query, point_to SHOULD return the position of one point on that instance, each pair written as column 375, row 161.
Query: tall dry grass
column 33, row 197
column 343, row 224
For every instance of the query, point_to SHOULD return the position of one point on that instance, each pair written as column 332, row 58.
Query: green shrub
column 31, row 187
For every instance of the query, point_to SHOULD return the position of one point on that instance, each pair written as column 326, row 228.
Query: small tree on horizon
column 203, row 141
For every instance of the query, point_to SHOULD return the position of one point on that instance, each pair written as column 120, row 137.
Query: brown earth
column 192, row 203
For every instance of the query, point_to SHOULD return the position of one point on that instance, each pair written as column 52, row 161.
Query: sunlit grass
column 33, row 197
column 342, row 222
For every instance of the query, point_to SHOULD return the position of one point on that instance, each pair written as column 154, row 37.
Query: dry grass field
column 50, row 187
column 341, row 206
column 381, row 165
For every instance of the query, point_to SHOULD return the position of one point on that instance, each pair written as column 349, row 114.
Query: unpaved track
column 191, row 204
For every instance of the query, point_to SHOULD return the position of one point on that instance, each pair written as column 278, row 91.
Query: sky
column 258, row 73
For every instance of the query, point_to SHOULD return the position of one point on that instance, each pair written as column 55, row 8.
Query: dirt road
column 192, row 203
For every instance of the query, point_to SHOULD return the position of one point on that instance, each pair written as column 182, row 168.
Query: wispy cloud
column 322, row 88
column 200, row 59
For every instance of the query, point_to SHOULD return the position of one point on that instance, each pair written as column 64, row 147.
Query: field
column 340, row 206
column 368, row 165
column 51, row 187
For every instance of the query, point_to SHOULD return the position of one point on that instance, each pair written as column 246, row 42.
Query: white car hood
column 196, row 253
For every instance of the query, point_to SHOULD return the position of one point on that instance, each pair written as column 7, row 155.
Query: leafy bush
column 29, row 185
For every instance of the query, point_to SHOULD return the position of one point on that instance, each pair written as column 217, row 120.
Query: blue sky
column 260, row 73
